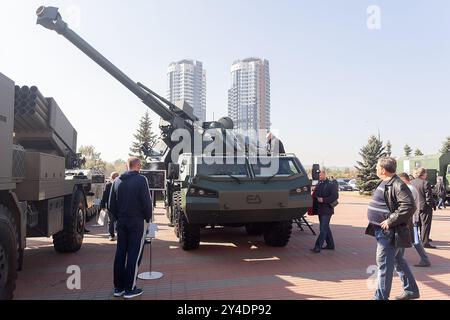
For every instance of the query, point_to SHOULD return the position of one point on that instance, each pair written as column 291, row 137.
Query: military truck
column 94, row 192
column 242, row 193
column 438, row 167
column 37, row 144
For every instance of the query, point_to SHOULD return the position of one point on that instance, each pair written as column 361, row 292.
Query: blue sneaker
column 133, row 293
column 119, row 293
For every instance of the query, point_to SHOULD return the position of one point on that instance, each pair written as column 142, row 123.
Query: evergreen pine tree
column 408, row 150
column 93, row 160
column 367, row 179
column 418, row 153
column 389, row 149
column 446, row 146
column 145, row 141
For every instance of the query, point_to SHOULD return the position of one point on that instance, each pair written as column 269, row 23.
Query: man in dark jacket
column 441, row 192
column 325, row 199
column 274, row 145
column 131, row 205
column 426, row 205
column 390, row 217
column 104, row 206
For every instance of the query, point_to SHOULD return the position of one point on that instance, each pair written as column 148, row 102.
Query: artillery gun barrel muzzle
column 50, row 18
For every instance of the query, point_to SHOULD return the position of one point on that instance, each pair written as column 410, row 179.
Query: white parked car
column 352, row 183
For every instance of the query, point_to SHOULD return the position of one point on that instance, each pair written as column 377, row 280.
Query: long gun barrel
column 50, row 18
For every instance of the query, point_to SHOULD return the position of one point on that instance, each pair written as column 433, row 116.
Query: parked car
column 352, row 184
column 344, row 186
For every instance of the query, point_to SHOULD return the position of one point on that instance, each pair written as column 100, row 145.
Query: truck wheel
column 176, row 212
column 254, row 229
column 277, row 234
column 189, row 234
column 8, row 254
column 71, row 238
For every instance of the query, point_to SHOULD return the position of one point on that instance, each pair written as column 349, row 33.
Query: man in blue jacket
column 131, row 205
column 325, row 199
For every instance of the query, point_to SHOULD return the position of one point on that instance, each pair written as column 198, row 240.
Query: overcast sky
column 334, row 80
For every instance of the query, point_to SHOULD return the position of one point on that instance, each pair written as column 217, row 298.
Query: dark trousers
column 442, row 202
column 130, row 244
column 111, row 224
column 426, row 217
column 325, row 232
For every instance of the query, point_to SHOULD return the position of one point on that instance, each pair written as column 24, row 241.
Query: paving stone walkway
column 232, row 265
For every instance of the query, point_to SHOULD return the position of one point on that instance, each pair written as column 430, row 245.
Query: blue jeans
column 441, row 203
column 389, row 258
column 325, row 232
column 419, row 247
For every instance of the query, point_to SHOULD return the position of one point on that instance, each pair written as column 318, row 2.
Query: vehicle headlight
column 301, row 190
column 201, row 192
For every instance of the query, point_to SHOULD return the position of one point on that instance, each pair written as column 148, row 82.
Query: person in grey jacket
column 424, row 259
column 104, row 206
column 390, row 218
column 426, row 205
column 441, row 192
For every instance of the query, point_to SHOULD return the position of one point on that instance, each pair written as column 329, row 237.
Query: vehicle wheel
column 71, row 238
column 176, row 212
column 9, row 236
column 254, row 229
column 189, row 234
column 277, row 234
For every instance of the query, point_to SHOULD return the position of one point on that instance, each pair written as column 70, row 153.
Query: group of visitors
column 400, row 216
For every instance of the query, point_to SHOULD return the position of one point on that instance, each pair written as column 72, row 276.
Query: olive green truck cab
column 437, row 166
column 261, row 193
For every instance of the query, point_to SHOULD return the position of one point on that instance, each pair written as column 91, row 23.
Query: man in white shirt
column 425, row 261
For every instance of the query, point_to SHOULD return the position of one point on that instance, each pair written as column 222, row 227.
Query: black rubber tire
column 278, row 234
column 9, row 236
column 254, row 229
column 187, row 233
column 176, row 212
column 71, row 238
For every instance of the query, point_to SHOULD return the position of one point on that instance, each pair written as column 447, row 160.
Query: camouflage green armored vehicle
column 238, row 191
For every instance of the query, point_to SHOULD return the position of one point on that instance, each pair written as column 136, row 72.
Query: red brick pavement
column 232, row 265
